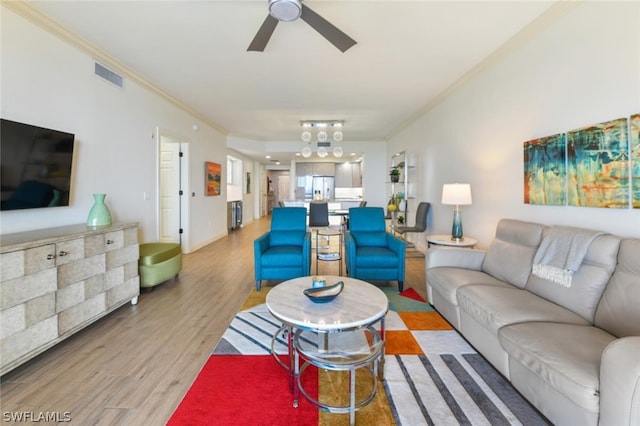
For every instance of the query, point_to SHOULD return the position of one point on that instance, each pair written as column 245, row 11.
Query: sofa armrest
column 260, row 245
column 349, row 252
column 306, row 253
column 620, row 382
column 396, row 244
column 453, row 257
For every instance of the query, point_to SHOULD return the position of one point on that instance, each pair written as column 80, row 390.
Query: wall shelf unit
column 406, row 183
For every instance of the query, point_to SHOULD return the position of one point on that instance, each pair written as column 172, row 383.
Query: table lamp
column 458, row 194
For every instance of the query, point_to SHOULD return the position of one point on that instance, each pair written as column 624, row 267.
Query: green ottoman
column 159, row 262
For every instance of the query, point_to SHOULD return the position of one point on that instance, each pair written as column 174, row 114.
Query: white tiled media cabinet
column 56, row 281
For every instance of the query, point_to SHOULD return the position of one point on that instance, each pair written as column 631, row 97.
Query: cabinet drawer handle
column 109, row 241
column 62, row 253
column 51, row 256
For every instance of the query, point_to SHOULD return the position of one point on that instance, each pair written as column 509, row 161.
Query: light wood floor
column 134, row 366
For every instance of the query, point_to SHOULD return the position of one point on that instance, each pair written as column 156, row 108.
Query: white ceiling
column 408, row 53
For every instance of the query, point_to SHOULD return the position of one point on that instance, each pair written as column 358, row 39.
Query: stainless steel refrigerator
column 325, row 185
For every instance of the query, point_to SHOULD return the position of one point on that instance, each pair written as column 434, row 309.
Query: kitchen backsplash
column 348, row 193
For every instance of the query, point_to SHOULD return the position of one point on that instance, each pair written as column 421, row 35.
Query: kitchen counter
column 351, row 202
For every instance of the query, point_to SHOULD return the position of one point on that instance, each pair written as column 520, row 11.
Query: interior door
column 169, row 193
column 283, row 187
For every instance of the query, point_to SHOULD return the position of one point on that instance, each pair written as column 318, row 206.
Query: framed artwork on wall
column 634, row 139
column 598, row 165
column 212, row 178
column 248, row 183
column 545, row 171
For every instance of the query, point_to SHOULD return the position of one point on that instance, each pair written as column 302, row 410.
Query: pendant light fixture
column 326, row 132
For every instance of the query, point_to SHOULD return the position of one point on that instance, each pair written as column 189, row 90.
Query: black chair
column 420, row 223
column 319, row 218
column 318, row 215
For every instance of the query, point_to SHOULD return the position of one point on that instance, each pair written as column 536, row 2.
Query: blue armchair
column 372, row 253
column 285, row 251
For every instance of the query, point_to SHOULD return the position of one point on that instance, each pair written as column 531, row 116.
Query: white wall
column 582, row 69
column 49, row 83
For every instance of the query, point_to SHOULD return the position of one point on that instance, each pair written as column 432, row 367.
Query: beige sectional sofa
column 570, row 345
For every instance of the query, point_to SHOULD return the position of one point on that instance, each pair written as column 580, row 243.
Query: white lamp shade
column 458, row 194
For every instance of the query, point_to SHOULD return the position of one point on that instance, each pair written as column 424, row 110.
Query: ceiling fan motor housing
column 285, row 10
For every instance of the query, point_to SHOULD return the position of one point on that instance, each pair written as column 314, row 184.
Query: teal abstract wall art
column 545, row 172
column 598, row 165
column 634, row 138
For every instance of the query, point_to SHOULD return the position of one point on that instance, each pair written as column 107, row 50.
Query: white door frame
column 185, row 214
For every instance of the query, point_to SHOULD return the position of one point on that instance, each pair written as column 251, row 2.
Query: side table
column 327, row 255
column 445, row 240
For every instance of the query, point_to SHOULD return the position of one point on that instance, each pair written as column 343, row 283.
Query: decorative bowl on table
column 324, row 294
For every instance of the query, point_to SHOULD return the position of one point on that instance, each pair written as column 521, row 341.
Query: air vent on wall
column 109, row 75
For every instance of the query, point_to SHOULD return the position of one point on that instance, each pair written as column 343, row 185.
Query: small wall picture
column 213, row 173
column 545, row 171
column 248, row 183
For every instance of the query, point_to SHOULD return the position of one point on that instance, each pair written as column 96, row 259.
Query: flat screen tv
column 35, row 166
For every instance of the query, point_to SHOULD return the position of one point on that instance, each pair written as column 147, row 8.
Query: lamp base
column 457, row 240
column 456, row 229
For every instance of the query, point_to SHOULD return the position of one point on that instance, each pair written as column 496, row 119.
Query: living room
column 540, row 84
column 572, row 69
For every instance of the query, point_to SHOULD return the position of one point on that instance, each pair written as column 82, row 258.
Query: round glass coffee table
column 338, row 335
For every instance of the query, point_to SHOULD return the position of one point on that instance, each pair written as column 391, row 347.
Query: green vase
column 99, row 214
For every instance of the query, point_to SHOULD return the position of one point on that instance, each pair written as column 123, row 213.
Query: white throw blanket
column 561, row 253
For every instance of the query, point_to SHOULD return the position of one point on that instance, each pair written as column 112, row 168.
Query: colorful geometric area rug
column 431, row 377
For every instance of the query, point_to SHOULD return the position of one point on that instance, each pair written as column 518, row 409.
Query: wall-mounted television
column 35, row 166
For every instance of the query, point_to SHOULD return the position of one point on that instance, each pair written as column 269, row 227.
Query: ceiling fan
column 290, row 10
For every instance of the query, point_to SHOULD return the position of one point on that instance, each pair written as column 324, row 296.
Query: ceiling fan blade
column 263, row 35
column 339, row 39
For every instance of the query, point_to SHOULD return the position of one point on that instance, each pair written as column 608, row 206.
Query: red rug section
column 245, row 390
column 412, row 294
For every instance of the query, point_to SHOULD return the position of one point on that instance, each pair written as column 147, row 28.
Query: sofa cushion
column 588, row 282
column 154, row 253
column 278, row 256
column 566, row 356
column 447, row 281
column 618, row 311
column 510, row 255
column 376, row 257
column 370, row 238
column 286, row 238
column 494, row 307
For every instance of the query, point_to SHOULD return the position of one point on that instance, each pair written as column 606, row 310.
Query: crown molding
column 25, row 10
